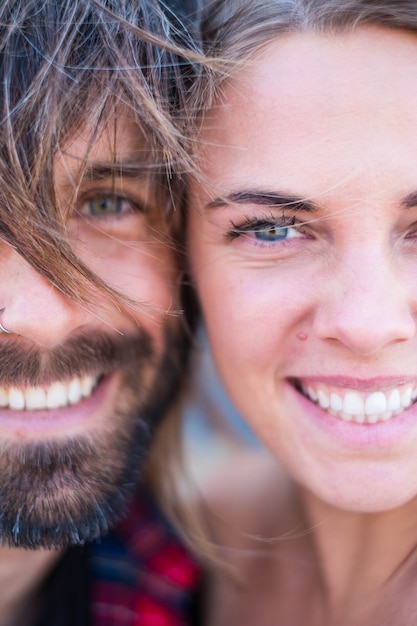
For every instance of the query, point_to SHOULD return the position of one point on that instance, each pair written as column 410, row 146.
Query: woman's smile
column 351, row 404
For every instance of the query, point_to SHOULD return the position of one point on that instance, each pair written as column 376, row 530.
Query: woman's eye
column 275, row 233
column 105, row 205
column 266, row 231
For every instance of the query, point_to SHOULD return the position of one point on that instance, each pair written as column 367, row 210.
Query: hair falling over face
column 75, row 65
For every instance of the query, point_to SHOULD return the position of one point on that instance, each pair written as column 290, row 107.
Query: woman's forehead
column 323, row 66
column 312, row 110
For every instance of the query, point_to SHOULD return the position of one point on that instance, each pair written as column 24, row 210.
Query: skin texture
column 321, row 291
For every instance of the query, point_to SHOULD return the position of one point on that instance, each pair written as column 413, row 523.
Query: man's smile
column 56, row 395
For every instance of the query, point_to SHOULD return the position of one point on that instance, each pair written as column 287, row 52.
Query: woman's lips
column 351, row 403
column 355, row 430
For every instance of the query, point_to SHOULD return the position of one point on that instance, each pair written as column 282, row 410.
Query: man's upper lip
column 360, row 384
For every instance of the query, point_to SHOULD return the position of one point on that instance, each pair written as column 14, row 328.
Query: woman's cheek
column 250, row 316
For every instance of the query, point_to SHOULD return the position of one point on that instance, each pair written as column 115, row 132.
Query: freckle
column 302, row 336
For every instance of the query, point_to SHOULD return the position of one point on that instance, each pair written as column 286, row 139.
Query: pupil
column 104, row 206
column 272, row 233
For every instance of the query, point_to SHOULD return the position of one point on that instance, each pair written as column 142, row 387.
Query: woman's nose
column 367, row 306
column 35, row 309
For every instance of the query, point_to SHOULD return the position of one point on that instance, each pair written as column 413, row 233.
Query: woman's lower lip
column 352, row 434
column 54, row 422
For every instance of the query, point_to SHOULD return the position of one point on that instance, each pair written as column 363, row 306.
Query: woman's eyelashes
column 267, row 230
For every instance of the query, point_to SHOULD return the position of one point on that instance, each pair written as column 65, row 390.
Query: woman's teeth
column 54, row 396
column 354, row 406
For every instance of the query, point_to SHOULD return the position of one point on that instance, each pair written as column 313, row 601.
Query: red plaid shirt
column 141, row 574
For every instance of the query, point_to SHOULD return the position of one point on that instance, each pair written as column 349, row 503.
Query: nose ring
column 4, row 330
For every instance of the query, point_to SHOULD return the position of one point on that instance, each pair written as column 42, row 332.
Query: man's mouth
column 361, row 407
column 58, row 394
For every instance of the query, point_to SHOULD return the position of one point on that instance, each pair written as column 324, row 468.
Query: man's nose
column 35, row 309
column 367, row 305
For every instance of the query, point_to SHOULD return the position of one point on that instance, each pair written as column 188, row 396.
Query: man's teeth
column 351, row 405
column 55, row 396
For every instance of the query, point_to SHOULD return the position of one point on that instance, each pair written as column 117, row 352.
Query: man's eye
column 105, row 205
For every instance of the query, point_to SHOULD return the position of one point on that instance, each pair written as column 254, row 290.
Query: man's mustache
column 94, row 353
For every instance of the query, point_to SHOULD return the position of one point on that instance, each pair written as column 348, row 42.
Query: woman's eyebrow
column 264, row 198
column 410, row 201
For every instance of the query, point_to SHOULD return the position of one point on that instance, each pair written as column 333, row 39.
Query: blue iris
column 272, row 233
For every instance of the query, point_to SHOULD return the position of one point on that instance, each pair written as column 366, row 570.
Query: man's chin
column 54, row 495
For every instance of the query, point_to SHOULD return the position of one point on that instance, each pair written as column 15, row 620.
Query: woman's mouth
column 58, row 394
column 352, row 405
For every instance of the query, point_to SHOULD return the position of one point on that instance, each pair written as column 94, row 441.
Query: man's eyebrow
column 264, row 198
column 104, row 171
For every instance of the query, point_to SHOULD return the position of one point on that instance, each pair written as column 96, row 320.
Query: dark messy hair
column 66, row 65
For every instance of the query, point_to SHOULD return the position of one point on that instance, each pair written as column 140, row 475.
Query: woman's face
column 303, row 248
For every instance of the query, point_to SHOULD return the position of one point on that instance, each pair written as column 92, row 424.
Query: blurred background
column 213, row 430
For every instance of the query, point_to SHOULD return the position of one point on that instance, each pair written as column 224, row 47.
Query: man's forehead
column 116, row 149
column 117, row 139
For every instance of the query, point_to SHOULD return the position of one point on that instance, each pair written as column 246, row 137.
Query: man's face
column 82, row 387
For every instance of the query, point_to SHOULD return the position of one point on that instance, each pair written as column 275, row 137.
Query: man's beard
column 70, row 490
